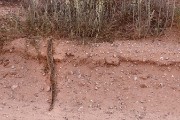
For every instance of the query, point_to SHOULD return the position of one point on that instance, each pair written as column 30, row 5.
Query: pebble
column 71, row 72
column 10, row 50
column 166, row 58
column 96, row 88
column 12, row 66
column 14, row 87
column 161, row 58
column 48, row 88
column 135, row 78
column 79, row 76
column 144, row 77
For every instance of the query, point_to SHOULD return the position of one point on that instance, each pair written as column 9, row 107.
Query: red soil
column 125, row 80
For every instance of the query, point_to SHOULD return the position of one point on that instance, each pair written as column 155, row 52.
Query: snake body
column 51, row 67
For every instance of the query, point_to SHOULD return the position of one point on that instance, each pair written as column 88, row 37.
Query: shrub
column 99, row 18
column 9, row 1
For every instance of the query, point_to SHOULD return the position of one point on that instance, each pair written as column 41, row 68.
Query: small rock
column 161, row 58
column 114, row 55
column 41, row 89
column 79, row 76
column 144, row 59
column 10, row 50
column 48, row 88
column 48, row 100
column 14, row 87
column 135, row 78
column 96, row 88
column 71, row 72
column 12, row 66
column 4, row 103
column 161, row 85
column 145, row 77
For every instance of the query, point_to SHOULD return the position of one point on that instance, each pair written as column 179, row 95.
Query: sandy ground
column 125, row 80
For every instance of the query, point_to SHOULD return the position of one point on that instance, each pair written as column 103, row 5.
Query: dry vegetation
column 94, row 18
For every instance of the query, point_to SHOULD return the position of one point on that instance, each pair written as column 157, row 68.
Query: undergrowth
column 101, row 19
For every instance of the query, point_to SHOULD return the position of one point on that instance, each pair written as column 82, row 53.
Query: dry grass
column 9, row 2
column 97, row 18
column 177, row 17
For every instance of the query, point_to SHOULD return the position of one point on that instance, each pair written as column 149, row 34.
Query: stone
column 14, row 87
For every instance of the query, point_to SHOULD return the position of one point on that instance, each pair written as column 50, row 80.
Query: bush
column 9, row 1
column 99, row 18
